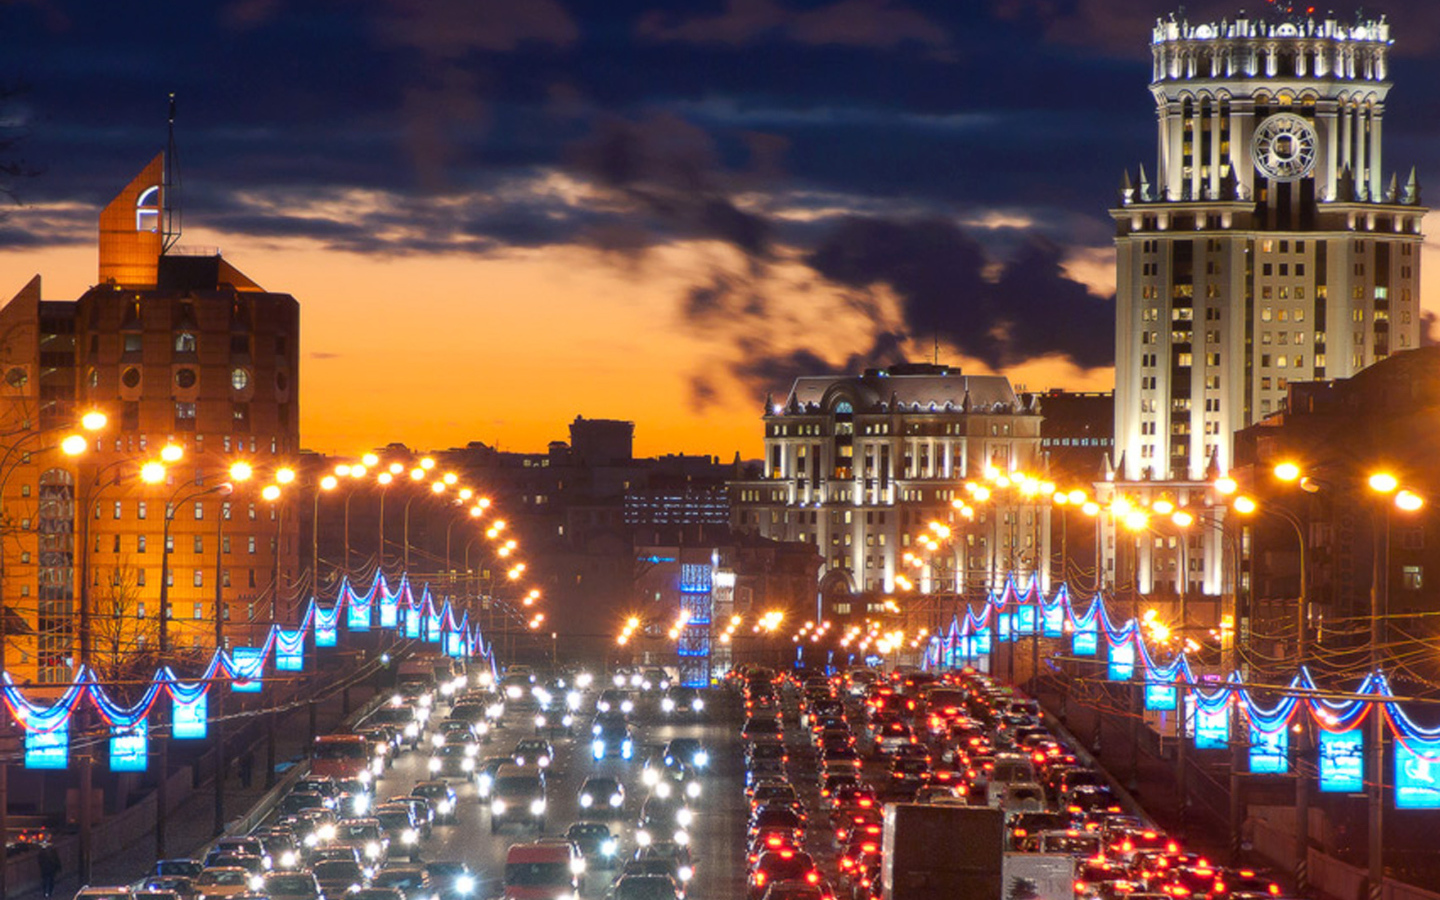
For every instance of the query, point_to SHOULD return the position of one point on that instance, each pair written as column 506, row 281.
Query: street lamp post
column 327, row 483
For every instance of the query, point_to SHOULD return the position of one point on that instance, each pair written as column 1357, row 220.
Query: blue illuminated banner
column 1085, row 641
column 1002, row 621
column 1159, row 695
column 130, row 748
column 1122, row 661
column 48, row 749
column 326, row 626
column 249, row 667
column 1055, row 621
column 1025, row 620
column 1342, row 761
column 389, row 610
column 452, row 643
column 290, row 660
column 1269, row 751
column 1212, row 728
column 412, row 622
column 984, row 641
column 357, row 616
column 188, row 720
column 1417, row 774
column 432, row 628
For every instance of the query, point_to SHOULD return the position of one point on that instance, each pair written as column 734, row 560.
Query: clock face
column 1284, row 147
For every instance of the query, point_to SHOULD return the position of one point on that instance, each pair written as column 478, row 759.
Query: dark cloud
column 881, row 24
column 703, row 392
column 942, row 276
column 761, row 369
column 669, row 171
column 451, row 28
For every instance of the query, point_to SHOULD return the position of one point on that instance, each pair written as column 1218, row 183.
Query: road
column 717, row 836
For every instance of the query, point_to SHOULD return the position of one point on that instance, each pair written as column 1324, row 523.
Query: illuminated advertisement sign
column 432, row 628
column 1159, row 695
column 1002, row 621
column 1269, row 751
column 984, row 641
column 248, row 669
column 412, row 622
column 187, row 720
column 1212, row 728
column 1025, row 620
column 290, row 651
column 1085, row 641
column 1055, row 621
column 48, row 749
column 1122, row 661
column 389, row 611
column 326, row 626
column 452, row 643
column 358, row 616
column 1342, row 761
column 1417, row 774
column 130, row 748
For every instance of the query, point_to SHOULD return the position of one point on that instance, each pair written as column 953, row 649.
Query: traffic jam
column 825, row 754
column 340, row 831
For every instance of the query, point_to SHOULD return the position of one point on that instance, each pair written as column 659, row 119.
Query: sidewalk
column 190, row 826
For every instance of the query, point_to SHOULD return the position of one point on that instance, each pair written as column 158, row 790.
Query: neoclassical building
column 859, row 465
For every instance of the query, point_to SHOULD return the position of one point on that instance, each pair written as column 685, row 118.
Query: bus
column 339, row 756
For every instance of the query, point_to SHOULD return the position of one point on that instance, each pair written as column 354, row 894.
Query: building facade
column 175, row 347
column 859, row 466
column 1271, row 247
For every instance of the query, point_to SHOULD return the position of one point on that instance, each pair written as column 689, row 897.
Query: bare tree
column 125, row 634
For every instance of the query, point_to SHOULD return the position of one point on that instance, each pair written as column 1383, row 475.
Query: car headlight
column 483, row 783
column 662, row 790
column 642, row 837
column 495, row 710
column 465, row 884
column 597, row 748
column 372, row 850
column 537, row 807
column 603, row 705
column 472, row 750
column 513, row 692
column 586, row 801
column 544, row 761
column 627, row 706
column 702, row 759
column 608, row 847
column 520, row 760
column 435, row 763
column 311, row 839
column 426, row 700
column 444, row 807
column 288, row 859
column 326, row 832
column 684, row 816
column 567, row 720
column 667, row 705
column 626, row 750
column 572, row 700
column 437, row 740
column 540, row 721
column 645, row 685
column 616, row 800
column 468, row 764
column 412, row 730
column 497, row 807
column 256, row 883
column 686, row 873
column 366, row 776
column 682, row 837
column 650, row 777
column 361, row 804
column 577, row 866
column 636, row 680
column 692, row 790
column 698, row 704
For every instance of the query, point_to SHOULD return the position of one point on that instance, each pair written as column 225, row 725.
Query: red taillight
column 759, row 878
column 1274, row 890
column 866, row 803
column 774, row 840
column 787, row 854
column 1021, row 832
column 1079, row 886
column 812, row 876
column 869, row 847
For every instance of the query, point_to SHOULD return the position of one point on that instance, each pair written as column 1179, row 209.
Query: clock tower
column 1271, row 244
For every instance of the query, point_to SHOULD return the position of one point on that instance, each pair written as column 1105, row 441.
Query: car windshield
column 403, row 880
column 290, row 884
column 336, row 868
column 364, row 832
column 536, row 874
column 240, row 877
column 645, row 888
column 517, row 784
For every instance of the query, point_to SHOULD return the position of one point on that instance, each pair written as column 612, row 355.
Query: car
column 441, row 798
column 250, row 862
column 780, row 865
column 688, row 750
column 674, row 855
column 646, row 887
column 248, row 846
column 533, row 751
column 366, row 836
column 452, row 880
column 187, row 868
column 176, row 887
column 421, row 815
column 226, row 881
column 485, row 773
column 292, row 886
column 682, row 701
column 120, row 892
column 339, row 876
column 799, row 889
column 664, row 815
column 542, row 870
column 610, row 736
column 656, row 867
column 601, row 795
column 600, row 848
column 399, row 825
column 615, row 699
column 412, row 881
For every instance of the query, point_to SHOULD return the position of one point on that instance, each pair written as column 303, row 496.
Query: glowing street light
column 152, row 472
column 74, row 445
column 285, row 475
column 241, row 471
column 172, row 453
column 94, row 420
column 271, row 492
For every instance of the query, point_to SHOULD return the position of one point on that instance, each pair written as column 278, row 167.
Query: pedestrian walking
column 49, row 868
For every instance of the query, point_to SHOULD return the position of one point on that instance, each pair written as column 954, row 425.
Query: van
column 1009, row 768
column 517, row 795
column 546, row 870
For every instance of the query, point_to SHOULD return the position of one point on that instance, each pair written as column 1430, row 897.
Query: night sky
column 498, row 214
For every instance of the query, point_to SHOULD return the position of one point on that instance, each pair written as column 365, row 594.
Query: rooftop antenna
column 171, row 190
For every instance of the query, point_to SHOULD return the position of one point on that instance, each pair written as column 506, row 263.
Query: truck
column 942, row 852
column 1039, row 876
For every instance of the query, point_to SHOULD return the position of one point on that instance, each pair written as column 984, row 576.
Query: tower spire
column 170, row 192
